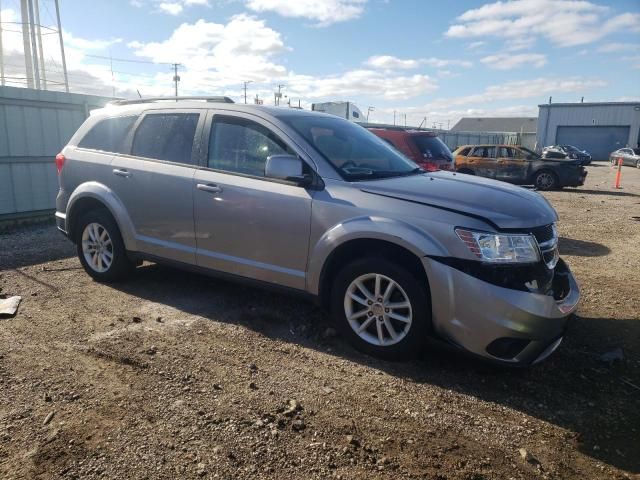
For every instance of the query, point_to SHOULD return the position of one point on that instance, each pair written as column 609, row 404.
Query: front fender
column 108, row 198
column 368, row 227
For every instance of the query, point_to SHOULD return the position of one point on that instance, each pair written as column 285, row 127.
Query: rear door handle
column 209, row 187
column 121, row 173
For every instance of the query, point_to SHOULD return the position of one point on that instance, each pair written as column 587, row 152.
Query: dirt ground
column 176, row 375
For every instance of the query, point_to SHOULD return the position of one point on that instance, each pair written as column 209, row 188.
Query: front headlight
column 500, row 247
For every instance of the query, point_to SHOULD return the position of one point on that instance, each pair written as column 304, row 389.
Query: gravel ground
column 176, row 375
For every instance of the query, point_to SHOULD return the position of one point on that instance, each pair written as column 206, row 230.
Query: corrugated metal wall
column 34, row 126
column 614, row 114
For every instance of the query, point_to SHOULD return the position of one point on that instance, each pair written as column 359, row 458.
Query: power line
column 129, row 60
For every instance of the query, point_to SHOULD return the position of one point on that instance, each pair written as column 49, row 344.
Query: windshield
column 355, row 152
column 432, row 148
column 570, row 148
column 530, row 152
column 636, row 151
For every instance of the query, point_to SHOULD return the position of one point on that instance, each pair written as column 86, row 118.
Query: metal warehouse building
column 599, row 128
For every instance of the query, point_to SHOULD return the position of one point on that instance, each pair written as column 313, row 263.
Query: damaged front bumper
column 514, row 315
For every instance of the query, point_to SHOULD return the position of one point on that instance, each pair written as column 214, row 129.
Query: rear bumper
column 61, row 222
column 500, row 324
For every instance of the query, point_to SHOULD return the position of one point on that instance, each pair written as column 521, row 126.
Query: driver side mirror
column 287, row 167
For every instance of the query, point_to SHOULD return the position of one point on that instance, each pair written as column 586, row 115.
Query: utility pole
column 39, row 37
column 278, row 95
column 448, row 123
column 369, row 110
column 26, row 44
column 176, row 77
column 394, row 117
column 246, row 82
column 1, row 51
column 64, row 59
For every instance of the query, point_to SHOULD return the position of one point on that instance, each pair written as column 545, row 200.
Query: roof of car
column 168, row 104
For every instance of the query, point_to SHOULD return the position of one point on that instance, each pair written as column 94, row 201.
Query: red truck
column 424, row 148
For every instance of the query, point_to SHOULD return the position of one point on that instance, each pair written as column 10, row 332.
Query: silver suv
column 318, row 205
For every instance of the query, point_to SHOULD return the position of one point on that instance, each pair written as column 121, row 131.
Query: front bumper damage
column 513, row 315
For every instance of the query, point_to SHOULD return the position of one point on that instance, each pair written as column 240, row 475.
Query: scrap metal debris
column 9, row 306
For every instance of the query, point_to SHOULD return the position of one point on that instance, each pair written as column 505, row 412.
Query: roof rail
column 170, row 99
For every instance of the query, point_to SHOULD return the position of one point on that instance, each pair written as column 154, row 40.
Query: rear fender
column 108, row 198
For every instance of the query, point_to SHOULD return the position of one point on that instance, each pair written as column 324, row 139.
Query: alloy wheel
column 544, row 180
column 378, row 309
column 97, row 247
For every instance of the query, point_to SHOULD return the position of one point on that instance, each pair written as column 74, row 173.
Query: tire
column 545, row 180
column 638, row 164
column 410, row 336
column 101, row 224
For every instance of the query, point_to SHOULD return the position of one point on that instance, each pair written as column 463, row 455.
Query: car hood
column 500, row 204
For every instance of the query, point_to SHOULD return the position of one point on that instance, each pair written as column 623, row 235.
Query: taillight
column 60, row 162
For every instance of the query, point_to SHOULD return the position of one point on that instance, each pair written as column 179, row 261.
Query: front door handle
column 121, row 173
column 209, row 187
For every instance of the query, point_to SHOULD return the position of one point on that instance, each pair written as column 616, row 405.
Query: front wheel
column 100, row 247
column 545, row 180
column 381, row 308
column 638, row 164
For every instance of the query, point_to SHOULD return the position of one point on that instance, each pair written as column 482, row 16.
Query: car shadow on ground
column 573, row 389
column 581, row 248
column 613, row 193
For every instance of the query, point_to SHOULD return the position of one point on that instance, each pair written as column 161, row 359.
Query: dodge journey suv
column 319, row 205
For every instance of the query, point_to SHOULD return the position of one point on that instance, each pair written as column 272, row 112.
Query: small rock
column 327, row 390
column 527, row 457
column 253, row 386
column 329, row 332
column 615, row 355
column 159, row 319
column 253, row 367
column 137, row 320
column 351, row 440
column 152, row 350
column 298, row 425
column 48, row 418
column 293, row 407
column 217, row 386
column 201, row 471
column 47, row 397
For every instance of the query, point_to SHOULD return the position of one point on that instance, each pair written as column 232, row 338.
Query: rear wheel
column 100, row 247
column 381, row 308
column 545, row 180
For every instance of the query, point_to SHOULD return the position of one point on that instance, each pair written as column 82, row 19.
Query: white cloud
column 85, row 44
column 535, row 88
column 563, row 22
column 325, row 12
column 172, row 8
column 359, row 82
column 476, row 45
column 389, row 62
column 618, row 47
column 507, row 61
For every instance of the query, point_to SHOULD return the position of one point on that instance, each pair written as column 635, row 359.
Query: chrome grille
column 547, row 238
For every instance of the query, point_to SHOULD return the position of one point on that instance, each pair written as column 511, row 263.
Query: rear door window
column 166, row 136
column 464, row 152
column 108, row 135
column 484, row 152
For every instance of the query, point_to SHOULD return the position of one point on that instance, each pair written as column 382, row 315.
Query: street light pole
column 369, row 110
column 176, row 77
column 246, row 82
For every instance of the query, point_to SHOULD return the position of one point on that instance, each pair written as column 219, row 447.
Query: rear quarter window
column 465, row 151
column 108, row 135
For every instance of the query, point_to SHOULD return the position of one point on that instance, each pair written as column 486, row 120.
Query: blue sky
column 440, row 60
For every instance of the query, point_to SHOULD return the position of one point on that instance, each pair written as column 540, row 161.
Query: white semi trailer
column 341, row 109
